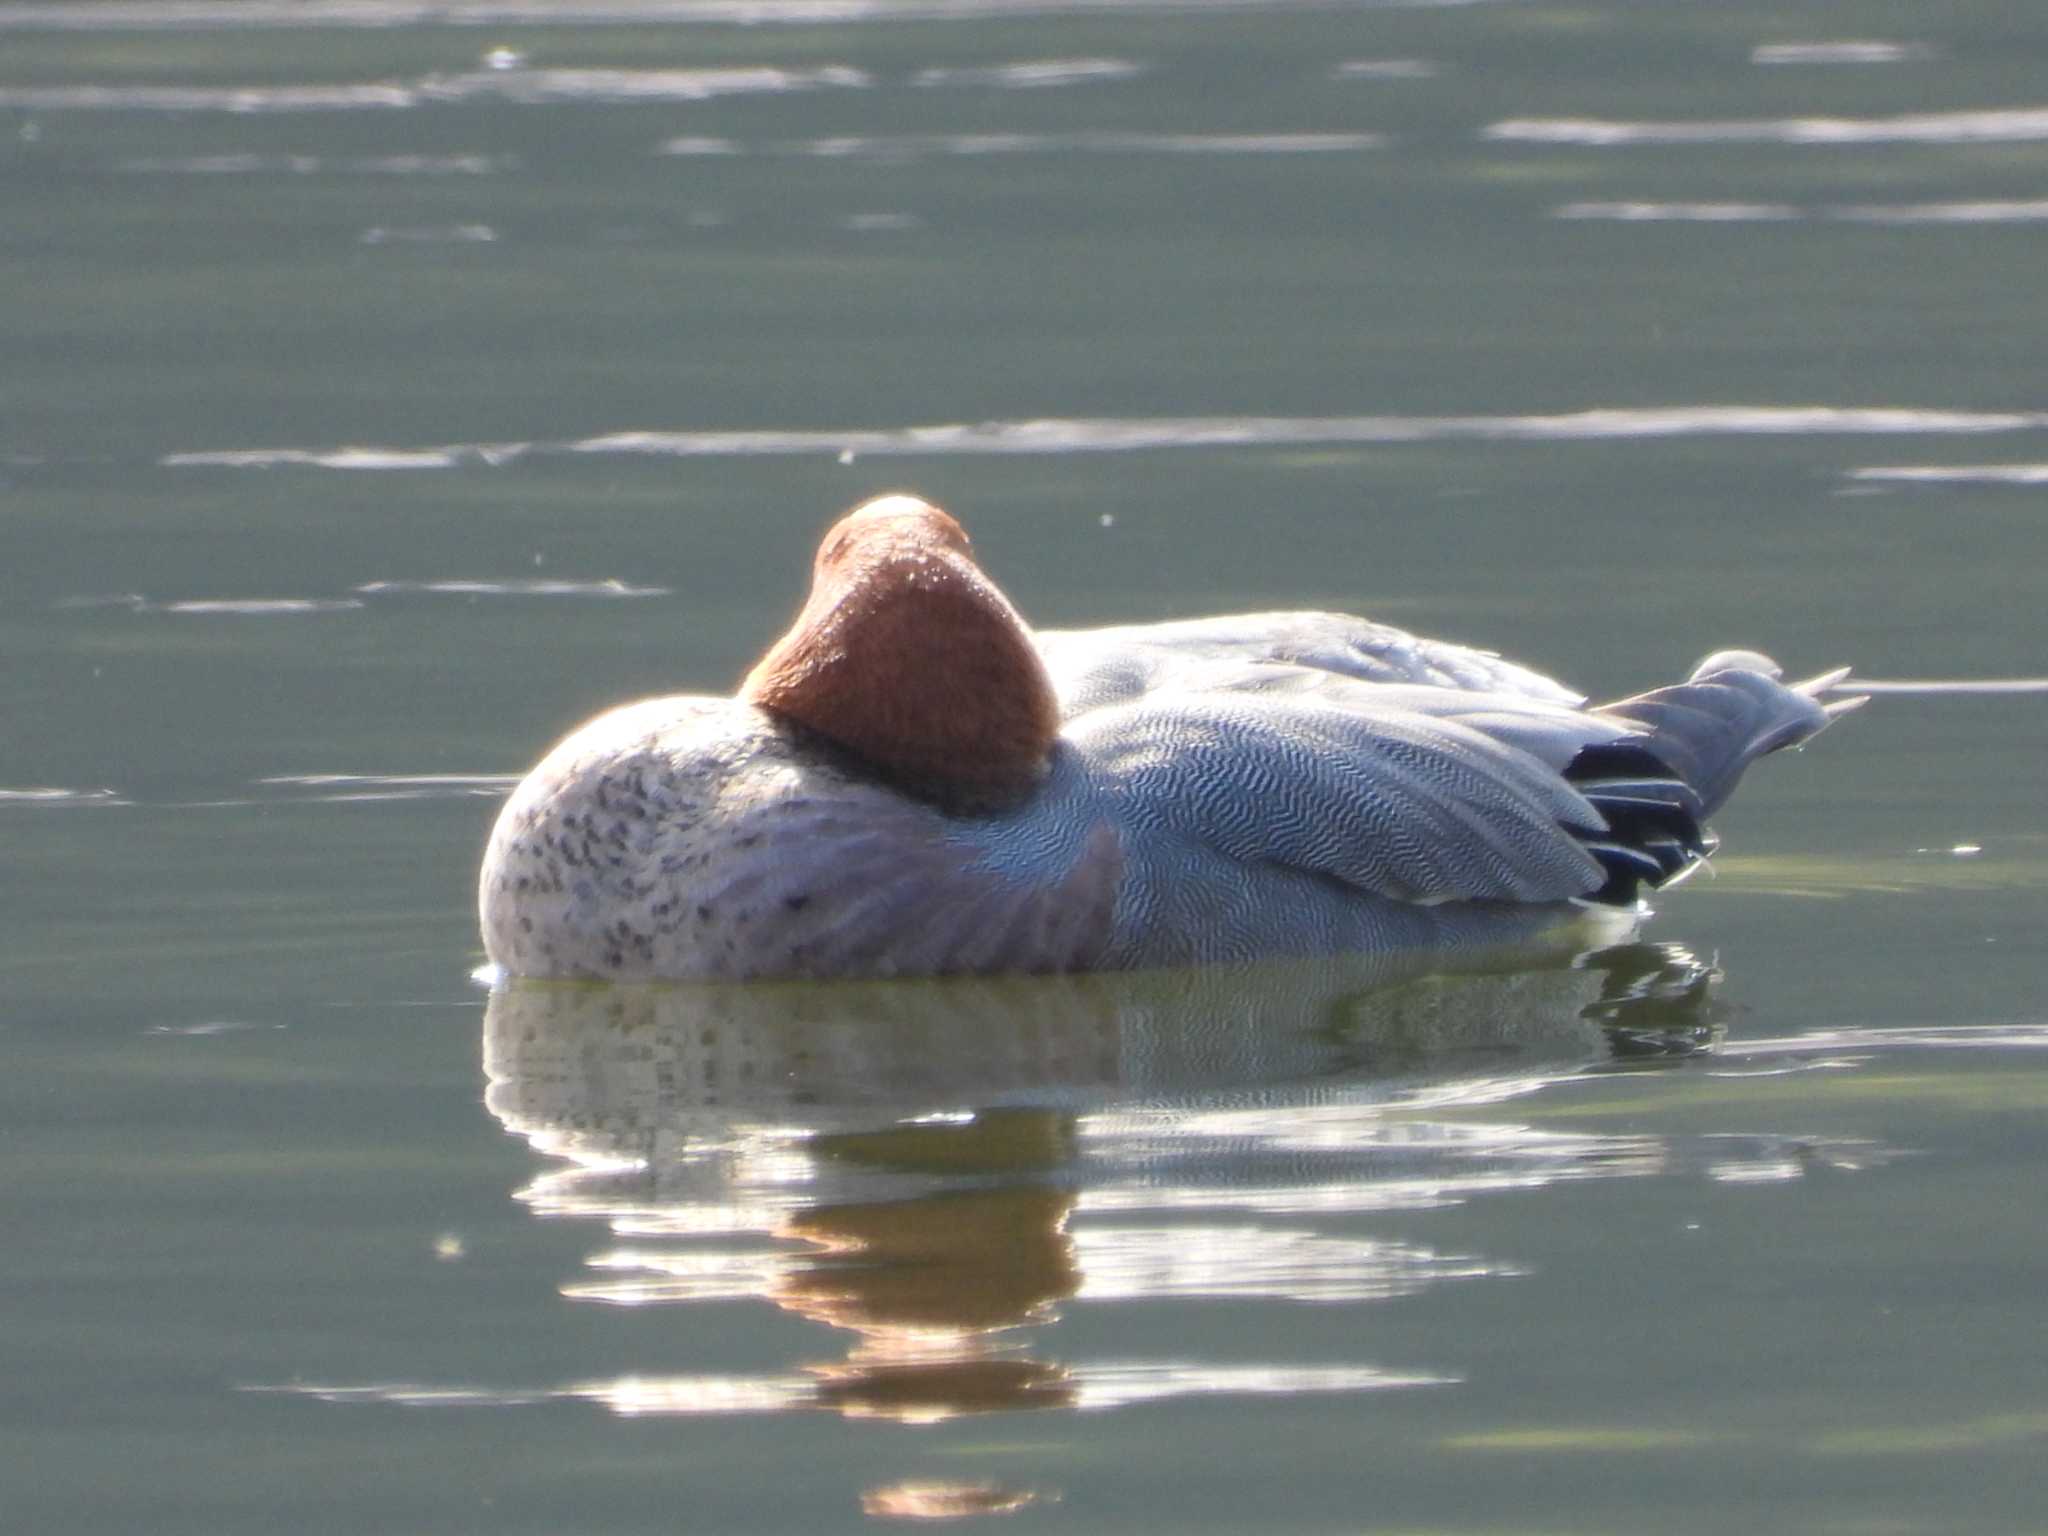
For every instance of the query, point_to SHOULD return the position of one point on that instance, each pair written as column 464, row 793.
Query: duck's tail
column 1685, row 752
column 1730, row 712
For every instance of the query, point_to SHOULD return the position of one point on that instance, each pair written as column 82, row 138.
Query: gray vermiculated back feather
column 1554, row 733
column 1389, row 802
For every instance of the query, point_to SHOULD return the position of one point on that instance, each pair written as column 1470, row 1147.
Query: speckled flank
column 701, row 838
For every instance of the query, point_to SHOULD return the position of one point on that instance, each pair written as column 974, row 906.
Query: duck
column 913, row 782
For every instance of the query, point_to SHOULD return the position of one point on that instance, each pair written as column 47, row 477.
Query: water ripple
column 1112, row 434
column 243, row 15
column 609, row 587
column 338, row 787
column 525, row 87
column 196, row 98
column 353, row 457
column 53, row 796
column 1116, row 1384
column 427, row 234
column 1952, row 685
column 254, row 607
column 2001, row 1037
column 927, row 1499
column 1250, row 1262
column 1385, row 69
column 1031, row 74
column 905, row 147
column 880, row 223
column 1953, row 474
column 1106, row 1384
column 311, row 165
column 2006, row 126
column 1848, row 51
column 546, row 86
column 1644, row 212
column 1980, row 211
column 1055, row 435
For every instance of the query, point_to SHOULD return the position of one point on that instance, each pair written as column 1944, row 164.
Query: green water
column 1605, row 335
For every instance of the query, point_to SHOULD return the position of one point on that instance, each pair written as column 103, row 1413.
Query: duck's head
column 907, row 656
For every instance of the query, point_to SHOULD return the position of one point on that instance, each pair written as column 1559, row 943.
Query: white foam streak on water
column 2003, row 126
column 1057, row 435
column 202, row 15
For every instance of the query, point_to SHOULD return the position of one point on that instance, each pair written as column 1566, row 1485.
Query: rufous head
column 909, row 657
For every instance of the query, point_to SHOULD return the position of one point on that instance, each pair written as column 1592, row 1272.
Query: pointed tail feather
column 1732, row 711
column 1688, row 747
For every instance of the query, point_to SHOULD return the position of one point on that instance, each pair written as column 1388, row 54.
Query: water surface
column 392, row 386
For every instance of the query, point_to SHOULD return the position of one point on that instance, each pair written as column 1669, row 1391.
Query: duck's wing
column 1430, row 794
column 1093, row 668
column 856, row 881
column 1426, row 798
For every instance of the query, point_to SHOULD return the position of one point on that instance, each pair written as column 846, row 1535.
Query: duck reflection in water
column 935, row 1168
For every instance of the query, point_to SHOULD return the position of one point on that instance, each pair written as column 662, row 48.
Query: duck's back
column 1092, row 668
